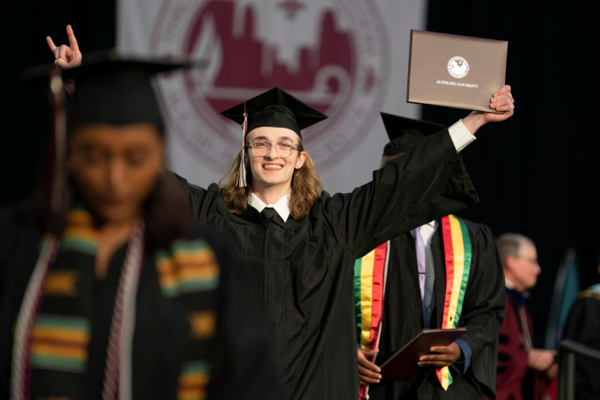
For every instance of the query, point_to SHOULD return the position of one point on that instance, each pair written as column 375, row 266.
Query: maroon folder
column 403, row 364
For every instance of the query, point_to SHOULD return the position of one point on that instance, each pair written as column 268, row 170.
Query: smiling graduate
column 299, row 243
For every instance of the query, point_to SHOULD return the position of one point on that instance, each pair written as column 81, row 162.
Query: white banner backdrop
column 347, row 58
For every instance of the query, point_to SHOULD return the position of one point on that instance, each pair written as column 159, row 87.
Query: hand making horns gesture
column 66, row 56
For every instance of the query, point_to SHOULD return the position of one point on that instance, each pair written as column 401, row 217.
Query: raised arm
column 426, row 183
column 66, row 57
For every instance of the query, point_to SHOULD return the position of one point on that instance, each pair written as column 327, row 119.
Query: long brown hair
column 306, row 188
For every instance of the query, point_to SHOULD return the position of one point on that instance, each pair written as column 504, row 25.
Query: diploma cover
column 403, row 363
column 455, row 71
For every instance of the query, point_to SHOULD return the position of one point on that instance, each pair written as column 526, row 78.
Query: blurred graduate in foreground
column 109, row 289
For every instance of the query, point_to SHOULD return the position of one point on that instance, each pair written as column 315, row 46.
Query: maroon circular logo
column 333, row 55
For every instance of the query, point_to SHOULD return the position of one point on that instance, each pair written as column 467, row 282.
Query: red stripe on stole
column 378, row 281
column 449, row 258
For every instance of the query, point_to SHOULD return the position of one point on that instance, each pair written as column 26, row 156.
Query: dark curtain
column 24, row 108
column 538, row 173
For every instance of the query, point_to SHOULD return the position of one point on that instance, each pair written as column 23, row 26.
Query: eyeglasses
column 529, row 259
column 261, row 148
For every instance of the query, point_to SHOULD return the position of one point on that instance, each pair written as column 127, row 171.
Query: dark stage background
column 24, row 110
column 536, row 173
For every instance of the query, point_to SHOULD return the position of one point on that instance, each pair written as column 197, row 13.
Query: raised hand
column 66, row 56
column 502, row 100
column 367, row 371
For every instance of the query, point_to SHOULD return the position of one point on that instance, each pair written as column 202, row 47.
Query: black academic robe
column 240, row 354
column 583, row 326
column 482, row 314
column 303, row 270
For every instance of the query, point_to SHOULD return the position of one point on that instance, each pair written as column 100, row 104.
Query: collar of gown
column 281, row 206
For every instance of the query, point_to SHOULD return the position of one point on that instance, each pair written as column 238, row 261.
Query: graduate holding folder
column 444, row 274
column 298, row 243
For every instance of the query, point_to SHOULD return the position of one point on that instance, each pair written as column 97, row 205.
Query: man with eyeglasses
column 524, row 372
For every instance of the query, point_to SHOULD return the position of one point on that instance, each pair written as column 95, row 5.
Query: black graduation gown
column 583, row 326
column 482, row 314
column 303, row 270
column 240, row 354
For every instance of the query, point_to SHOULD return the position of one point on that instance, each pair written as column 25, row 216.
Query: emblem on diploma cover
column 331, row 54
column 458, row 67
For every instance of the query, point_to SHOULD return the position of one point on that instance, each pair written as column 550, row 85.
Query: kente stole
column 369, row 288
column 52, row 349
column 457, row 257
column 370, row 274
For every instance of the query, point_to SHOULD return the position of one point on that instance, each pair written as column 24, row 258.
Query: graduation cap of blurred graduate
column 274, row 108
column 114, row 87
column 404, row 132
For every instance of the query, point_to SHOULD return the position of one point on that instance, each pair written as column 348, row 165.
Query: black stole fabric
column 68, row 300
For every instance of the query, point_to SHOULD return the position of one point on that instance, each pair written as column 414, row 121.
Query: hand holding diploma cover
column 403, row 364
column 455, row 71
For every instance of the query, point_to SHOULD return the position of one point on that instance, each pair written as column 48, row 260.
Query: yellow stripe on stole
column 60, row 334
column 201, row 256
column 172, row 278
column 458, row 250
column 193, row 380
column 53, row 350
column 79, row 216
column 366, row 296
column 445, row 378
column 192, row 394
column 81, row 233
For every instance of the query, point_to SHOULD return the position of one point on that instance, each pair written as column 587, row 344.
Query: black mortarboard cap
column 405, row 132
column 275, row 108
column 116, row 89
column 113, row 87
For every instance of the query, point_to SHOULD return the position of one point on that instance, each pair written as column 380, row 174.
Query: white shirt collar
column 427, row 230
column 281, row 206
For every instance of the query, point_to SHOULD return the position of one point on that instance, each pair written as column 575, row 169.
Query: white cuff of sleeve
column 460, row 135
